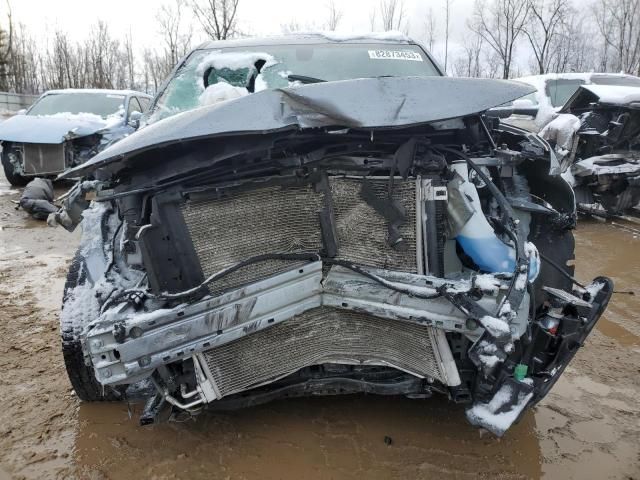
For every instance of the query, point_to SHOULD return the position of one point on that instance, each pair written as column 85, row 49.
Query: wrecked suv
column 349, row 222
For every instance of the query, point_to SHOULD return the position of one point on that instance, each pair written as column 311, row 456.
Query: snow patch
column 389, row 36
column 521, row 281
column 561, row 130
column 91, row 228
column 233, row 61
column 489, row 360
column 594, row 288
column 487, row 283
column 220, row 92
column 495, row 326
column 615, row 94
column 490, row 416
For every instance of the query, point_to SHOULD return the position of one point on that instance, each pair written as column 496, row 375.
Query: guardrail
column 12, row 102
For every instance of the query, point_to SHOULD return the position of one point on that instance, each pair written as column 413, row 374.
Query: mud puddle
column 587, row 427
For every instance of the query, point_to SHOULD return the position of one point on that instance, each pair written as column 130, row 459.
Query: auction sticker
column 395, row 55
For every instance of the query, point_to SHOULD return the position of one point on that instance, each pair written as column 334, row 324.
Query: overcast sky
column 259, row 17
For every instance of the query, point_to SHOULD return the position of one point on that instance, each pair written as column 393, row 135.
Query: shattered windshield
column 210, row 76
column 96, row 103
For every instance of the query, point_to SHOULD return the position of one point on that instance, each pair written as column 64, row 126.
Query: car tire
column 14, row 179
column 80, row 374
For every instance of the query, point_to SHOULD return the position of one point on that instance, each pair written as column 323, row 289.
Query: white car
column 537, row 109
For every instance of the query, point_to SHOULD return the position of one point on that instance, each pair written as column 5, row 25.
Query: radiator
column 323, row 335
column 43, row 158
column 228, row 230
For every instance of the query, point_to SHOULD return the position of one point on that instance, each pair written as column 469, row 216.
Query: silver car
column 65, row 128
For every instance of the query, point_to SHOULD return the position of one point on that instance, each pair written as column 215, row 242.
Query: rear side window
column 144, row 103
column 559, row 91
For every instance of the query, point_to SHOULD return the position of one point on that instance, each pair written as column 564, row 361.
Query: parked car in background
column 553, row 90
column 320, row 215
column 65, row 128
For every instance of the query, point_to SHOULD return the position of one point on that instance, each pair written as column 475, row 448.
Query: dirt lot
column 588, row 426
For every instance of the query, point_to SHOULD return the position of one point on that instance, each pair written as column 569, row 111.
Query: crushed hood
column 50, row 128
column 361, row 103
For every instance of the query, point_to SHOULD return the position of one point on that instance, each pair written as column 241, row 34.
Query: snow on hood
column 53, row 128
column 368, row 103
column 614, row 94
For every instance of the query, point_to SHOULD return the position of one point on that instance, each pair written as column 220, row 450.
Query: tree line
column 558, row 36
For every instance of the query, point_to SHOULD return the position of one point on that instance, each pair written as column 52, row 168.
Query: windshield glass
column 97, row 103
column 244, row 70
column 618, row 81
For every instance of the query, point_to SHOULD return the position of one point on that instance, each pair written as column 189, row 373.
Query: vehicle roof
column 310, row 38
column 103, row 91
column 615, row 94
column 586, row 76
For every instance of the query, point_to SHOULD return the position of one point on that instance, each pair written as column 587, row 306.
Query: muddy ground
column 588, row 426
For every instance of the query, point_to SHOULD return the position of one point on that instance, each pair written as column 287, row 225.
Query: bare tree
column 291, row 26
column 334, row 15
column 471, row 62
column 175, row 36
column 24, row 74
column 447, row 12
column 372, row 19
column 217, row 17
column 6, row 48
column 575, row 47
column 619, row 24
column 392, row 13
column 430, row 29
column 130, row 60
column 546, row 20
column 500, row 23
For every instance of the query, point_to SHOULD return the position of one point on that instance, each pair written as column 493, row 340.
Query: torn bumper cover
column 286, row 323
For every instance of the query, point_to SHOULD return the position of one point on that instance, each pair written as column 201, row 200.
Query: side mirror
column 134, row 119
column 524, row 106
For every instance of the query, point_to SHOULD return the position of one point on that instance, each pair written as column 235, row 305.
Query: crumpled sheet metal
column 369, row 103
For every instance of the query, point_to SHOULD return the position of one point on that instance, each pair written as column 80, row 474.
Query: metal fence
column 12, row 102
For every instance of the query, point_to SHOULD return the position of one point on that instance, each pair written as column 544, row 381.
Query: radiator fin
column 323, row 335
column 247, row 223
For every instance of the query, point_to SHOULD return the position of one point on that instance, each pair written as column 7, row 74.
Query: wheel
column 80, row 374
column 14, row 179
